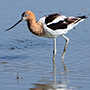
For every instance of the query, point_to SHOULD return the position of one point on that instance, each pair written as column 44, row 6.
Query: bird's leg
column 54, row 50
column 54, row 44
column 67, row 40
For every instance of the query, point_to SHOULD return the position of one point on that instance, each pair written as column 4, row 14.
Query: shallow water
column 26, row 61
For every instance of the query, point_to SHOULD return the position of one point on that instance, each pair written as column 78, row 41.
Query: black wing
column 62, row 22
column 58, row 24
column 51, row 17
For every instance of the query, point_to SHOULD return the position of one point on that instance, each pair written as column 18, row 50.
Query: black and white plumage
column 56, row 24
column 50, row 26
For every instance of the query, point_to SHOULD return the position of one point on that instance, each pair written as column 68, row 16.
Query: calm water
column 26, row 61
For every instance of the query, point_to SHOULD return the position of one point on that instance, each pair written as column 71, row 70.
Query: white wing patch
column 42, row 20
column 59, row 18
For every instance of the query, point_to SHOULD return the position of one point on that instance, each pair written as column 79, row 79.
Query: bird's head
column 26, row 16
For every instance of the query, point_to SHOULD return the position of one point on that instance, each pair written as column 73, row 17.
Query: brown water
column 26, row 61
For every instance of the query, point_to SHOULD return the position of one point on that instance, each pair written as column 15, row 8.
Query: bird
column 50, row 26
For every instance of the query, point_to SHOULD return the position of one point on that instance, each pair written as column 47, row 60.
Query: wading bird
column 50, row 26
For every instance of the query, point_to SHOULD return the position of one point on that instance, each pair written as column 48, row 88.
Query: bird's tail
column 81, row 18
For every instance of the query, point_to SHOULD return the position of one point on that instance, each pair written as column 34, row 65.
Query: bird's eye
column 26, row 15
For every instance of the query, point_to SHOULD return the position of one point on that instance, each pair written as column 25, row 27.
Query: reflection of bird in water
column 47, row 86
column 50, row 26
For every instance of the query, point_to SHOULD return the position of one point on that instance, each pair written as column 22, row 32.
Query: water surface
column 31, row 57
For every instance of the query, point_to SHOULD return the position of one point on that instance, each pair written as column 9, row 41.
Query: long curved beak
column 14, row 25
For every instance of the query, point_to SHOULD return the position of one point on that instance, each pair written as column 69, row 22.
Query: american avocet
column 50, row 26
